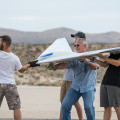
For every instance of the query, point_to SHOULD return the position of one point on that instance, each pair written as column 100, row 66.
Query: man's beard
column 1, row 47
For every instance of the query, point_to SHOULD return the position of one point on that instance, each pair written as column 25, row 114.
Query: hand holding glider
column 52, row 67
column 34, row 63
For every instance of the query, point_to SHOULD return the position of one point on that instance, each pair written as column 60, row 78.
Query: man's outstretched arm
column 30, row 64
column 58, row 66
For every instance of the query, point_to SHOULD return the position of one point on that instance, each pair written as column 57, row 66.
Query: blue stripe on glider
column 46, row 55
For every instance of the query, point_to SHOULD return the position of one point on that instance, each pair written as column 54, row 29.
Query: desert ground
column 42, row 103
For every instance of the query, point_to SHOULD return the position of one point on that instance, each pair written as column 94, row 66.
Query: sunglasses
column 76, row 45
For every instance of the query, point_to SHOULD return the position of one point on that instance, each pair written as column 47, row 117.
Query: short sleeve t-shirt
column 69, row 75
column 112, row 75
column 8, row 64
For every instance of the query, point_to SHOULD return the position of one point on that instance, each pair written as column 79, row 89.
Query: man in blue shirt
column 67, row 81
column 84, row 83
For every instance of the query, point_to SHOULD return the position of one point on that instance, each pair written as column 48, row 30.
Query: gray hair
column 83, row 40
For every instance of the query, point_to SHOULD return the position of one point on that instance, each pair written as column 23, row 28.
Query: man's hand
column 52, row 67
column 33, row 63
column 85, row 61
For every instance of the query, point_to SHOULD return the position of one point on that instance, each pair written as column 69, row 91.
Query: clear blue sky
column 91, row 16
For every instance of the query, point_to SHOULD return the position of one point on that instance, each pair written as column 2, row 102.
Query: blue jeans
column 72, row 97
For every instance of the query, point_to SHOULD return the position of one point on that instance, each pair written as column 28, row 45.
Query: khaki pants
column 64, row 88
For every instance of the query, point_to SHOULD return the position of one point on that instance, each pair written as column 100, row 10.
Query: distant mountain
column 49, row 36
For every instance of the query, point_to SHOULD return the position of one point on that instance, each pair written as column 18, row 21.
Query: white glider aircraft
column 61, row 51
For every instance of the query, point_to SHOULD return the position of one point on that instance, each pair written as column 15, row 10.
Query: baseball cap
column 79, row 34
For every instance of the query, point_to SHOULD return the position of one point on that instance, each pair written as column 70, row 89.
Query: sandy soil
column 41, row 102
